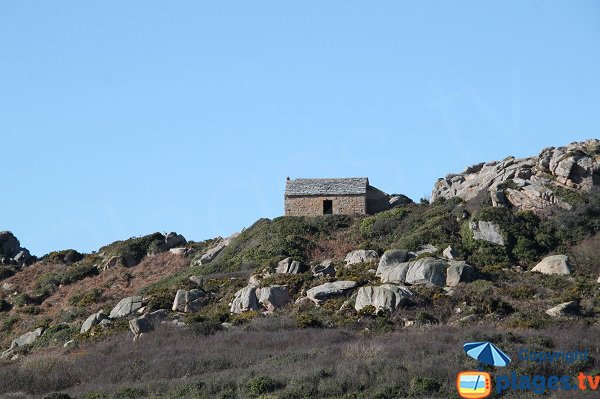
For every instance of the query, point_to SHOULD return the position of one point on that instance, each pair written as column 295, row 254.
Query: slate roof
column 346, row 186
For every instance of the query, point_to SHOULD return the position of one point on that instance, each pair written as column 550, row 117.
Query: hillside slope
column 456, row 267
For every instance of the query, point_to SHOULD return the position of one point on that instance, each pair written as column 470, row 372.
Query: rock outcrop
column 188, row 301
column 449, row 253
column 528, row 183
column 126, row 306
column 486, row 231
column 555, row 264
column 361, row 256
column 384, row 297
column 181, row 251
column 215, row 250
column 266, row 298
column 24, row 340
column 91, row 321
column 428, row 271
column 565, row 309
column 147, row 322
column 273, row 297
column 11, row 252
column 289, row 266
column 459, row 272
column 391, row 258
column 244, row 300
column 173, row 240
column 323, row 269
column 322, row 292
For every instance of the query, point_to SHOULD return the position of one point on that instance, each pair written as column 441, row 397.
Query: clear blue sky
column 121, row 118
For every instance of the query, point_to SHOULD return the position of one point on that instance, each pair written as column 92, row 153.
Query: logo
column 474, row 384
column 478, row 384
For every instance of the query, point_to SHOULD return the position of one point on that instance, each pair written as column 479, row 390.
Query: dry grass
column 336, row 246
column 116, row 284
column 315, row 363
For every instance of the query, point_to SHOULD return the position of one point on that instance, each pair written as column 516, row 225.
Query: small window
column 327, row 207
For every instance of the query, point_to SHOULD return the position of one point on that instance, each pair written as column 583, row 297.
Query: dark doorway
column 327, row 207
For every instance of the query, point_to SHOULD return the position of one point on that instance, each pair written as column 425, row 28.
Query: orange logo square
column 474, row 384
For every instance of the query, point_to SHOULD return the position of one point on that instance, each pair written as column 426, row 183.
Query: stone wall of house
column 313, row 206
column 377, row 201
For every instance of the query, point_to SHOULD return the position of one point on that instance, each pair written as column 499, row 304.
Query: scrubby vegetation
column 280, row 361
column 300, row 351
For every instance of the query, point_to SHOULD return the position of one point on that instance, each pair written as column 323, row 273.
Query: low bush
column 423, row 386
column 263, row 384
column 6, row 272
column 135, row 248
column 84, row 299
column 66, row 256
column 71, row 274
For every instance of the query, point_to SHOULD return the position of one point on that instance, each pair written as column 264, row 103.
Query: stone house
column 348, row 196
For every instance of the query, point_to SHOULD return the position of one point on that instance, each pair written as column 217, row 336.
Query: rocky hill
column 556, row 177
column 332, row 306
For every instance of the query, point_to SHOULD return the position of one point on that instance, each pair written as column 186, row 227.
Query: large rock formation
column 24, row 340
column 324, row 268
column 11, row 252
column 91, row 321
column 459, row 272
column 273, row 297
column 244, row 300
column 428, row 271
column 391, row 258
column 384, row 297
column 266, row 298
column 564, row 309
column 361, row 256
column 486, row 231
column 126, row 307
column 528, row 183
column 289, row 266
column 215, row 250
column 188, row 301
column 324, row 291
column 555, row 264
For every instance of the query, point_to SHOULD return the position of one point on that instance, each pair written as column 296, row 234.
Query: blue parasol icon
column 486, row 353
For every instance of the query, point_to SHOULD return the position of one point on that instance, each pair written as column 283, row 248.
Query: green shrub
column 263, row 384
column 66, row 256
column 71, row 274
column 528, row 319
column 309, row 319
column 8, row 322
column 521, row 291
column 56, row 335
column 510, row 183
column 383, row 223
column 133, row 250
column 423, row 386
column 426, row 318
column 568, row 195
column 242, row 318
column 21, row 300
column 86, row 299
column 130, row 393
column 6, row 272
column 161, row 299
